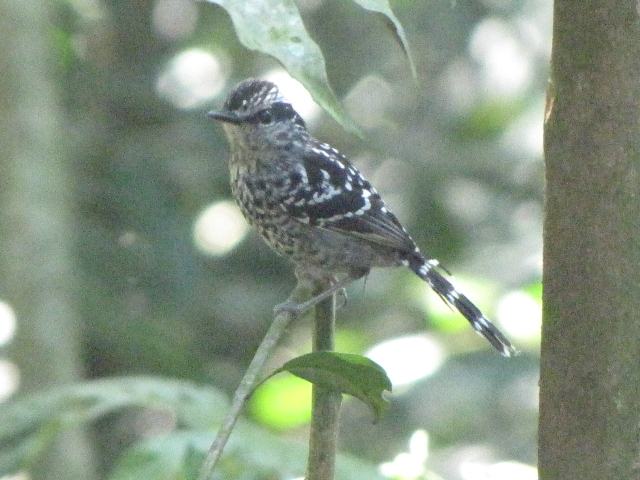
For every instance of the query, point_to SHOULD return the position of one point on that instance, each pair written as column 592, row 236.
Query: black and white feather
column 331, row 193
column 312, row 205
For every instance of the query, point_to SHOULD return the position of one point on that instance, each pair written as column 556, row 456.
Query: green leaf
column 251, row 454
column 29, row 424
column 347, row 373
column 383, row 7
column 275, row 27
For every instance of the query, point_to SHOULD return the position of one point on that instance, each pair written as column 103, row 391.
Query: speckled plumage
column 310, row 204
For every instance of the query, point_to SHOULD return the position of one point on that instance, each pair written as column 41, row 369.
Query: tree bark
column 590, row 366
column 37, row 241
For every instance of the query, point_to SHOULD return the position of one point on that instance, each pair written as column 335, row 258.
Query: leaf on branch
column 347, row 373
column 383, row 7
column 275, row 27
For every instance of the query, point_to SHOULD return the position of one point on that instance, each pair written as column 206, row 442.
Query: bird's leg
column 298, row 309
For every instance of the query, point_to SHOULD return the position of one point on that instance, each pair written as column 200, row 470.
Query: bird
column 313, row 206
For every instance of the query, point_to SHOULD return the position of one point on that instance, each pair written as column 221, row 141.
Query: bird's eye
column 264, row 116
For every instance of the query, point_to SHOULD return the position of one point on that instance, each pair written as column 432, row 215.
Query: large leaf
column 347, row 373
column 275, row 27
column 29, row 424
column 251, row 454
column 383, row 7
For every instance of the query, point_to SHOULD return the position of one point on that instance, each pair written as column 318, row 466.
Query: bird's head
column 255, row 116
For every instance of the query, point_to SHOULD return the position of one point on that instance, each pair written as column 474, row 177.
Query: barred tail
column 427, row 270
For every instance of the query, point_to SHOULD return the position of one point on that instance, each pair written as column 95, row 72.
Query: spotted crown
column 251, row 95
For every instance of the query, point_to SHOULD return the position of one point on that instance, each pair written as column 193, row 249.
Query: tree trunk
column 37, row 241
column 590, row 371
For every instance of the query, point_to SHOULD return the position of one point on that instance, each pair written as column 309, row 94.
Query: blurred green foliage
column 183, row 416
column 282, row 403
column 454, row 154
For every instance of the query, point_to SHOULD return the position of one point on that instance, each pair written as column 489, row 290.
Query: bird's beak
column 224, row 117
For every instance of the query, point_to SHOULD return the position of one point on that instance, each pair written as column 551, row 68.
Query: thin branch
column 249, row 381
column 326, row 402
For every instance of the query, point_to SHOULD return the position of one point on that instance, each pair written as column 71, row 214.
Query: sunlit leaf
column 275, row 27
column 28, row 425
column 383, row 7
column 347, row 373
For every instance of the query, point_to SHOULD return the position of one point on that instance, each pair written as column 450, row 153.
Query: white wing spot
column 364, row 208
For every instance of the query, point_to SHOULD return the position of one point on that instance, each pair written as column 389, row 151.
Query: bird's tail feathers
column 428, row 271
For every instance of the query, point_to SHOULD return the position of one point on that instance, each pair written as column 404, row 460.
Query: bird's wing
column 330, row 193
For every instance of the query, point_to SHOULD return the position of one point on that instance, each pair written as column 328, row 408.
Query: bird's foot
column 292, row 308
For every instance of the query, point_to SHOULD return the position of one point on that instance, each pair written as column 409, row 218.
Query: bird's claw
column 292, row 308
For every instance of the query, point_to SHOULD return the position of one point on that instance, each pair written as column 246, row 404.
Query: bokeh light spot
column 282, row 402
column 219, row 228
column 409, row 465
column 174, row 19
column 7, row 323
column 9, row 379
column 506, row 64
column 408, row 359
column 498, row 471
column 521, row 315
column 192, row 78
column 295, row 93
